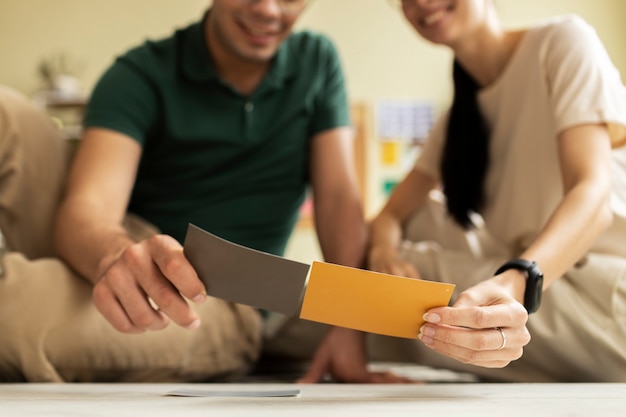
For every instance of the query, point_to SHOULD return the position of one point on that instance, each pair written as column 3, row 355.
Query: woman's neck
column 486, row 53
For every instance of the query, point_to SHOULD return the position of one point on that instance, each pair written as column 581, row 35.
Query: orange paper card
column 370, row 301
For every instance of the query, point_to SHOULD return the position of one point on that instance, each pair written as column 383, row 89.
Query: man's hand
column 341, row 355
column 143, row 288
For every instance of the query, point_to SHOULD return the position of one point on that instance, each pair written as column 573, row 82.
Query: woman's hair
column 465, row 153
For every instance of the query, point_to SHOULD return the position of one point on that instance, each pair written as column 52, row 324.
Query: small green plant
column 56, row 70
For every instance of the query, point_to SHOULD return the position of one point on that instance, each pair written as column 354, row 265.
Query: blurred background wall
column 382, row 56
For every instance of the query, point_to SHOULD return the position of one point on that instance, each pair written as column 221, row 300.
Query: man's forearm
column 342, row 232
column 87, row 244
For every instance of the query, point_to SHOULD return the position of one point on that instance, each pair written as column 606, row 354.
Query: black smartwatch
column 534, row 281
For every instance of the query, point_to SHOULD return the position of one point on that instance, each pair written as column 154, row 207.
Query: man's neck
column 242, row 75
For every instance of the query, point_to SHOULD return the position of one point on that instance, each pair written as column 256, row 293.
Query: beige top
column 559, row 76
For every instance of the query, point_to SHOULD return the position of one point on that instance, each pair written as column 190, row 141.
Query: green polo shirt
column 234, row 165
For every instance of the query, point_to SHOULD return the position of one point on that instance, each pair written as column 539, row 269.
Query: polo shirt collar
column 198, row 63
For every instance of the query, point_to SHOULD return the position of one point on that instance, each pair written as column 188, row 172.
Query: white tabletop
column 320, row 400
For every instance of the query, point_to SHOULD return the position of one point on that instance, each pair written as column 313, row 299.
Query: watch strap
column 534, row 281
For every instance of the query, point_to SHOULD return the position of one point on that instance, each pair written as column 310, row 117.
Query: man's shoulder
column 150, row 52
column 159, row 53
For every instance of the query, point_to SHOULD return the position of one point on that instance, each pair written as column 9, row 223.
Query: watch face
column 534, row 289
column 532, row 300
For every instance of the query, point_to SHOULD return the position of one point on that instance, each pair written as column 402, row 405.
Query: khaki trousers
column 50, row 330
column 578, row 333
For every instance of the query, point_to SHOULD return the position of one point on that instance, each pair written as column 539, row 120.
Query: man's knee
column 35, row 159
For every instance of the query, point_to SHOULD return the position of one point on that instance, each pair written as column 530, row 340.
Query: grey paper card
column 243, row 275
column 204, row 393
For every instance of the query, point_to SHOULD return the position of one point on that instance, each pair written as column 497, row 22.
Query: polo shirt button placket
column 248, row 108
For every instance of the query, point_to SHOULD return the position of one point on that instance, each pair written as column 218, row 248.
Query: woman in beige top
column 531, row 162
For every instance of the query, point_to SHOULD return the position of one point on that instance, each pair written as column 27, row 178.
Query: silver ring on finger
column 503, row 345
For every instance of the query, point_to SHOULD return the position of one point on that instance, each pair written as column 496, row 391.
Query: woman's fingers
column 490, row 336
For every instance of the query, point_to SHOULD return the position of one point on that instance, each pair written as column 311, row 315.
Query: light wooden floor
column 320, row 400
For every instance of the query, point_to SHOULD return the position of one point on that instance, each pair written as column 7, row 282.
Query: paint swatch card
column 242, row 275
column 370, row 301
column 337, row 295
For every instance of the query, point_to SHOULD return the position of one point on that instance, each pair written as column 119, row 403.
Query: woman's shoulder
column 565, row 31
column 564, row 23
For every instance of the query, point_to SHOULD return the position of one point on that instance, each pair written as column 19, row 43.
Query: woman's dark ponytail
column 465, row 154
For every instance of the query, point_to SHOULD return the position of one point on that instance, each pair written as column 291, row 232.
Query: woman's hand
column 388, row 261
column 486, row 326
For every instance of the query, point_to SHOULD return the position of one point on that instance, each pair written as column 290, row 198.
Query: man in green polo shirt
column 223, row 125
